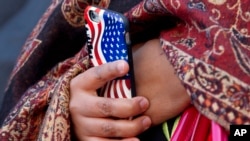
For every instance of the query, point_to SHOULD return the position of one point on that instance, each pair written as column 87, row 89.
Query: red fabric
column 218, row 133
column 209, row 47
column 207, row 42
column 192, row 126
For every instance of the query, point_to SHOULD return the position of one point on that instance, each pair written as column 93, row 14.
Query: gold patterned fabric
column 207, row 42
column 37, row 97
column 209, row 48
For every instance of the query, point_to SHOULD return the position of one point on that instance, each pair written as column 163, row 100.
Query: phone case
column 108, row 40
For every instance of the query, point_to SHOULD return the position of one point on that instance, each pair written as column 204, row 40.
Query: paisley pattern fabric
column 73, row 10
column 37, row 97
column 210, row 51
column 207, row 42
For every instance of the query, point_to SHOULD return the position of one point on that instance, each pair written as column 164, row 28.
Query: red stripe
column 128, row 84
column 98, row 58
column 108, row 89
column 114, row 89
column 122, row 88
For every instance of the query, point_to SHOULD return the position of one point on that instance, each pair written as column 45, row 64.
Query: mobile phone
column 108, row 40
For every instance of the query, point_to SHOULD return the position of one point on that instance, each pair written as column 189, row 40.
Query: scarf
column 207, row 42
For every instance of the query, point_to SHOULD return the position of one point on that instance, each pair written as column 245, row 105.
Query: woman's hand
column 104, row 119
column 98, row 118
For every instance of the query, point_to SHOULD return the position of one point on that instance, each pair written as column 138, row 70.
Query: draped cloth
column 210, row 51
column 207, row 42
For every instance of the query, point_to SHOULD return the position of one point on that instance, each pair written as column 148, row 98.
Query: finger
column 107, row 107
column 96, row 77
column 110, row 128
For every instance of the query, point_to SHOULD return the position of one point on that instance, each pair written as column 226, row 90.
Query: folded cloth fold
column 207, row 42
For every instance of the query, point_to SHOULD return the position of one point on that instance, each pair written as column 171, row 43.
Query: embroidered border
column 213, row 91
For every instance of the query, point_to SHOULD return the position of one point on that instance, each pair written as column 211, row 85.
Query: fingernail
column 146, row 122
column 144, row 104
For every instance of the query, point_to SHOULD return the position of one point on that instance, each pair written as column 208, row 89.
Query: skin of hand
column 160, row 96
column 105, row 119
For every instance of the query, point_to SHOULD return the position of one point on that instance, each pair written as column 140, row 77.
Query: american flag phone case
column 108, row 40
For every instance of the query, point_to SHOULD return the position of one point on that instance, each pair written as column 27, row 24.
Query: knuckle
column 108, row 129
column 105, row 72
column 105, row 107
column 99, row 74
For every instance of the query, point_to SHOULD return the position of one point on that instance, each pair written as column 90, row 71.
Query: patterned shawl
column 207, row 42
column 210, row 51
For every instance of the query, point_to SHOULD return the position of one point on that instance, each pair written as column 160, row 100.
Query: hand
column 104, row 119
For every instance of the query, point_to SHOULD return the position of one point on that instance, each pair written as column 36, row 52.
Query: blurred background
column 17, row 19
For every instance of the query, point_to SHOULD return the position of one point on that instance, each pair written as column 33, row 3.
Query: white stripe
column 118, row 89
column 112, row 86
column 126, row 89
column 106, row 92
